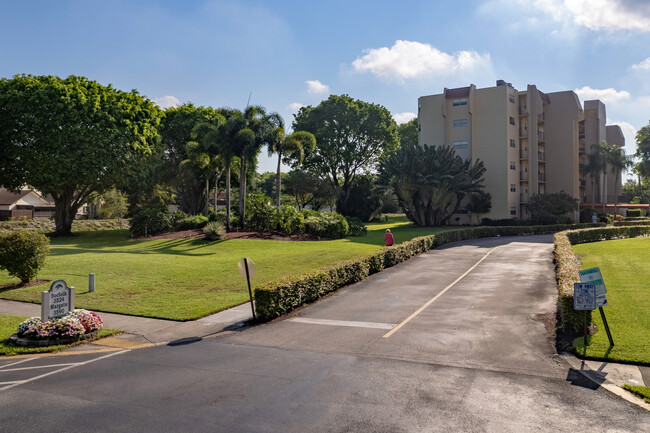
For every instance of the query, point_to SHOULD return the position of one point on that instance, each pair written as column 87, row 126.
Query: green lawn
column 625, row 265
column 185, row 279
column 8, row 326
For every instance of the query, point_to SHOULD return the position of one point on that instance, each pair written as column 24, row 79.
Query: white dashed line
column 349, row 323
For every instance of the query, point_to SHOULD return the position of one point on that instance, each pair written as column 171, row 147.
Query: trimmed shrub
column 327, row 225
column 356, row 227
column 214, row 231
column 632, row 213
column 23, row 253
column 290, row 220
column 260, row 213
column 151, row 220
column 192, row 222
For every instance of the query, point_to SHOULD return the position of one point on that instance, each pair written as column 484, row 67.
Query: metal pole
column 250, row 293
column 584, row 338
column 91, row 282
column 609, row 334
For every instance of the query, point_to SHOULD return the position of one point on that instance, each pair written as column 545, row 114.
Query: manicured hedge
column 276, row 298
column 567, row 264
column 632, row 223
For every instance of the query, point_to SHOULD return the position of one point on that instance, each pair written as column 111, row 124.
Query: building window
column 513, row 210
column 512, row 120
column 513, row 187
column 512, row 143
column 511, row 98
column 512, row 165
column 458, row 123
column 459, row 101
column 460, row 144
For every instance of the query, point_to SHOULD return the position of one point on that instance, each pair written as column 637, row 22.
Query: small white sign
column 242, row 267
column 58, row 301
column 584, row 296
column 593, row 275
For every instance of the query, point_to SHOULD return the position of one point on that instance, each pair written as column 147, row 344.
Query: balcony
column 523, row 111
column 540, row 118
column 523, row 176
column 541, row 177
column 581, row 135
column 523, row 198
column 583, row 183
column 582, row 150
column 541, row 156
column 540, row 135
column 523, row 132
column 581, row 167
column 523, row 153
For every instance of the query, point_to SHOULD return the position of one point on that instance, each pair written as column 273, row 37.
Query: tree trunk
column 63, row 214
column 593, row 195
column 216, row 190
column 228, row 196
column 278, row 181
column 616, row 181
column 604, row 192
column 207, row 196
column 242, row 193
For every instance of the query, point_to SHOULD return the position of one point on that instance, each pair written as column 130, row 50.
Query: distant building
column 25, row 204
column 530, row 142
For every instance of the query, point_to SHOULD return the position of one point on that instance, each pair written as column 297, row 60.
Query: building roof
column 544, row 97
column 460, row 92
column 8, row 197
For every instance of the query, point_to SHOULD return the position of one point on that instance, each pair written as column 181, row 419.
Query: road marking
column 432, row 300
column 40, row 366
column 15, row 363
column 343, row 323
column 60, row 370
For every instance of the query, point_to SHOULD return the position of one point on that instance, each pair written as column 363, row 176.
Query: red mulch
column 235, row 234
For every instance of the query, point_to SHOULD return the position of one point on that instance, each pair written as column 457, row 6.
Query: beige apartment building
column 530, row 142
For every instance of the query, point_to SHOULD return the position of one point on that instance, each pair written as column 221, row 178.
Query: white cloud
column 167, row 101
column 643, row 66
column 403, row 117
column 408, row 59
column 315, row 87
column 605, row 95
column 295, row 106
column 609, row 15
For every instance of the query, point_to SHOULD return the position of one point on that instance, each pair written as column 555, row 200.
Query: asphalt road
column 479, row 358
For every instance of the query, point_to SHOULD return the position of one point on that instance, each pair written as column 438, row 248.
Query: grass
column 184, row 279
column 641, row 391
column 8, row 326
column 625, row 266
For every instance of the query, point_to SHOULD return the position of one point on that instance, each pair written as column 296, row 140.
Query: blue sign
column 584, row 296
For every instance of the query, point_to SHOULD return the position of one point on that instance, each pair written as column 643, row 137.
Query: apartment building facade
column 531, row 142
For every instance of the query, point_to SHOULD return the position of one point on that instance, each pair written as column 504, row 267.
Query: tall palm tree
column 593, row 168
column 619, row 162
column 290, row 148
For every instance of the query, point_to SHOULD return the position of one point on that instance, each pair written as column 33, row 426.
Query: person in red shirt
column 388, row 237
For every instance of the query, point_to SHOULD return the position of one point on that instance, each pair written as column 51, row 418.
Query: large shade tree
column 72, row 137
column 290, row 148
column 643, row 151
column 352, row 136
column 431, row 182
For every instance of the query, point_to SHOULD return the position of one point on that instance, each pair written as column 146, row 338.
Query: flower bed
column 77, row 325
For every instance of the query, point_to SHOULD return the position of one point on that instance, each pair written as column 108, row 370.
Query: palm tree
column 619, row 162
column 593, row 168
column 290, row 148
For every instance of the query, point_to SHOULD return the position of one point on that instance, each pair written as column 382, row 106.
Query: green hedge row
column 631, row 223
column 567, row 264
column 276, row 298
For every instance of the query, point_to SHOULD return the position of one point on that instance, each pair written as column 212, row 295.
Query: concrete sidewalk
column 144, row 331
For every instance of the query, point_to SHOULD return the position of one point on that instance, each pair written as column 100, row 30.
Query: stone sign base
column 32, row 342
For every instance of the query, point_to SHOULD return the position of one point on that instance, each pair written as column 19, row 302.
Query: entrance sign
column 584, row 296
column 593, row 275
column 57, row 302
column 247, row 270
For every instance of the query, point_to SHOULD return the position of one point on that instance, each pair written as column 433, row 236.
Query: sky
column 284, row 54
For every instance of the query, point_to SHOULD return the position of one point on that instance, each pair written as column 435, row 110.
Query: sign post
column 593, row 275
column 247, row 270
column 584, row 298
column 57, row 302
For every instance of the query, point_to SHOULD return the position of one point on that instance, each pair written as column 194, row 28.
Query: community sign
column 593, row 275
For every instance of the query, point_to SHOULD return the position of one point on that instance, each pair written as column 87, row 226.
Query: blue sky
column 291, row 53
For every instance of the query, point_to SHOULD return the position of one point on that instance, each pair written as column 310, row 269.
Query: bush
column 23, row 253
column 150, row 220
column 356, row 227
column 328, row 225
column 214, row 231
column 635, row 213
column 551, row 208
column 290, row 220
column 586, row 214
column 192, row 222
column 260, row 213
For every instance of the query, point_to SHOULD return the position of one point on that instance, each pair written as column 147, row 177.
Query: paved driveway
column 456, row 339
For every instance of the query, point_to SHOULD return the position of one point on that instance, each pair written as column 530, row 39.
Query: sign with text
column 584, row 296
column 593, row 275
column 57, row 302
